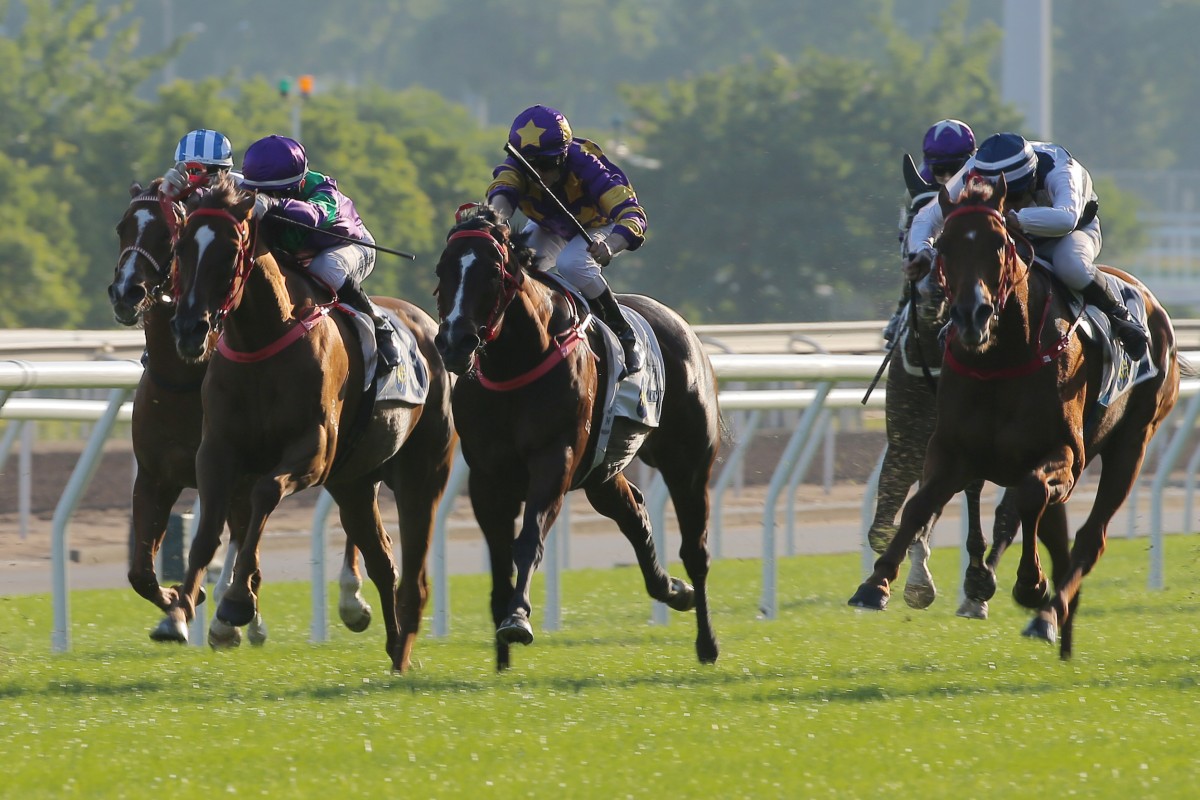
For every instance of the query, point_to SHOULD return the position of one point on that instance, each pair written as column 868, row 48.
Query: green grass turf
column 824, row 701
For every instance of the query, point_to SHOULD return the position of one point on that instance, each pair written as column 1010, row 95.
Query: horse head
column 479, row 273
column 976, row 262
column 213, row 255
column 143, row 270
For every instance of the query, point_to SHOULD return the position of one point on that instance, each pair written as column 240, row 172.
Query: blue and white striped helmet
column 206, row 147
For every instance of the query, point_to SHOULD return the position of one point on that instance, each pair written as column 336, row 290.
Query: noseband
column 509, row 282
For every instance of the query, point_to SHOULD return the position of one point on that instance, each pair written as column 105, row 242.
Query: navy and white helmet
column 1008, row 154
column 205, row 147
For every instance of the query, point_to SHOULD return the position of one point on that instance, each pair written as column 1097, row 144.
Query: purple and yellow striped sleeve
column 508, row 182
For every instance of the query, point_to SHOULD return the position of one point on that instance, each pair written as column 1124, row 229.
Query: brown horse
column 1018, row 407
column 167, row 412
column 527, row 415
column 281, row 406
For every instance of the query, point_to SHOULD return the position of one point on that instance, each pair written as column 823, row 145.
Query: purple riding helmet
column 947, row 146
column 540, row 133
column 274, row 163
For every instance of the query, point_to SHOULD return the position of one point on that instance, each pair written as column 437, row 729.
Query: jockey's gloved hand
column 604, row 249
column 918, row 264
column 262, row 204
column 175, row 184
column 502, row 207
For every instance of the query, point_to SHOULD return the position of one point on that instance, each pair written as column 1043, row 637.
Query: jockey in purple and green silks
column 276, row 167
column 595, row 192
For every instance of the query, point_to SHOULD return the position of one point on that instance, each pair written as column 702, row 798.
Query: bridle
column 509, row 283
column 245, row 260
column 173, row 217
column 1008, row 263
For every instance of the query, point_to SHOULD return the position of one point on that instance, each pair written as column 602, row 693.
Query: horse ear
column 944, row 201
column 245, row 204
column 135, row 189
column 1000, row 192
column 912, row 178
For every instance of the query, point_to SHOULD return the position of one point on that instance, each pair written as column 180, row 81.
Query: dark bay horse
column 167, row 412
column 527, row 413
column 281, row 401
column 1018, row 407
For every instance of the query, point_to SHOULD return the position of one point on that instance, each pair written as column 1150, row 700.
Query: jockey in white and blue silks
column 1050, row 199
column 201, row 157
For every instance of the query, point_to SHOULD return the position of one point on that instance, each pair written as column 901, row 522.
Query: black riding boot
column 1128, row 330
column 635, row 358
column 385, row 339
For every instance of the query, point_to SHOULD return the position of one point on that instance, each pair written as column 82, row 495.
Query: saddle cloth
column 409, row 381
column 1121, row 371
column 636, row 397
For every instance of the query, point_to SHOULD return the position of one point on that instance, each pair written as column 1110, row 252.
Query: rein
column 245, row 259
column 173, row 218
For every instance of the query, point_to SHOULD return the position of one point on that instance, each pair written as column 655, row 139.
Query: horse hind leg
column 690, row 498
column 353, row 608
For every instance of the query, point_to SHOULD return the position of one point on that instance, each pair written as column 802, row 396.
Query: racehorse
column 167, row 412
column 1018, row 406
column 915, row 365
column 281, row 413
column 527, row 414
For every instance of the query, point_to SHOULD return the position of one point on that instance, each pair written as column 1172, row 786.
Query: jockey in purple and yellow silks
column 595, row 192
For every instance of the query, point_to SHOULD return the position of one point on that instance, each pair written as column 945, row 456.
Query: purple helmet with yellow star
column 540, row 132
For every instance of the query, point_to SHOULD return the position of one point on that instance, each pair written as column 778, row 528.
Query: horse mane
column 517, row 243
column 977, row 190
column 222, row 193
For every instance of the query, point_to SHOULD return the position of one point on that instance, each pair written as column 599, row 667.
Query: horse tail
column 1186, row 368
column 727, row 437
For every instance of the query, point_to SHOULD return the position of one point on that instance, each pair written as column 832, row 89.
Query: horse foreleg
column 151, row 508
column 496, row 503
column 239, row 606
column 940, row 486
column 975, row 579
column 547, row 487
column 1050, row 483
column 900, row 470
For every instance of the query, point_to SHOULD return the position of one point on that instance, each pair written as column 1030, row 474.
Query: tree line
column 775, row 198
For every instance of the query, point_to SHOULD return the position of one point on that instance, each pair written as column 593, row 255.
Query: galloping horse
column 281, row 407
column 528, row 411
column 1019, row 406
column 909, row 411
column 167, row 413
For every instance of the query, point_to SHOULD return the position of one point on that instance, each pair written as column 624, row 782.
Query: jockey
column 1051, row 200
column 597, row 194
column 276, row 167
column 200, row 157
column 946, row 147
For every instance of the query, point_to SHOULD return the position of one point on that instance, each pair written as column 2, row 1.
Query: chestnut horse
column 1018, row 407
column 281, row 402
column 527, row 415
column 167, row 412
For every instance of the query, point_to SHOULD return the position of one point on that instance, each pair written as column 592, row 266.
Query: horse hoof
column 1035, row 596
column 222, row 636
column 880, row 537
column 979, row 583
column 355, row 618
column 170, row 630
column 515, row 630
column 919, row 596
column 236, row 612
column 706, row 650
column 870, row 597
column 682, row 596
column 1041, row 628
column 201, row 596
column 257, row 631
column 973, row 609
